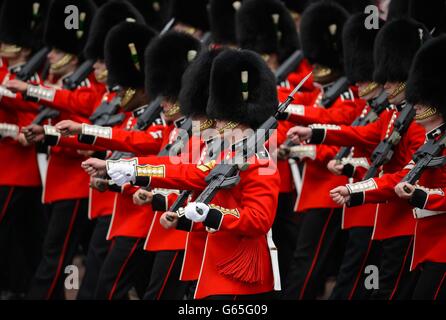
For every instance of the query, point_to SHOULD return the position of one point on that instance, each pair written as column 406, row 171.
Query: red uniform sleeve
column 343, row 112
column 19, row 104
column 376, row 190
column 137, row 142
column 81, row 101
column 170, row 173
column 367, row 137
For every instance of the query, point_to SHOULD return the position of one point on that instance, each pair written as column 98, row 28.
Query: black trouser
column 165, row 281
column 360, row 252
column 22, row 230
column 97, row 252
column 319, row 230
column 127, row 265
column 431, row 284
column 67, row 228
column 285, row 232
column 396, row 282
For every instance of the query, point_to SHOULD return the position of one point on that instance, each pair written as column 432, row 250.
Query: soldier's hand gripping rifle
column 226, row 175
column 384, row 151
column 377, row 106
column 427, row 156
column 70, row 83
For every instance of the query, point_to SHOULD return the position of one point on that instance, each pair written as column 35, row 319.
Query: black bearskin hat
column 395, row 47
column 167, row 57
column 398, row 9
column 124, row 54
column 321, row 33
column 297, row 6
column 266, row 27
column 22, row 22
column 194, row 92
column 358, row 48
column 68, row 40
column 107, row 16
column 432, row 14
column 425, row 84
column 242, row 88
column 99, row 3
column 222, row 20
column 191, row 12
column 154, row 11
column 355, row 6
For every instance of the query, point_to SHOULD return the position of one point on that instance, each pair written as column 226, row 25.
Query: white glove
column 196, row 211
column 122, row 171
column 119, row 178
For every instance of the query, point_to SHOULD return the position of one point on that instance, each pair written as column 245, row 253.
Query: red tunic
column 100, row 203
column 430, row 235
column 306, row 110
column 236, row 258
column 128, row 219
column 393, row 217
column 23, row 173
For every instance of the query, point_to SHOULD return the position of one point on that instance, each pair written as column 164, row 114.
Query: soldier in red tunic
column 358, row 64
column 132, row 223
column 22, row 220
column 236, row 262
column 394, row 226
column 424, row 90
column 320, row 219
column 66, row 199
column 267, row 28
column 101, row 202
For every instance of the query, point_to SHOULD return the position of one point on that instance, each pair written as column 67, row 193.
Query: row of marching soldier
column 221, row 149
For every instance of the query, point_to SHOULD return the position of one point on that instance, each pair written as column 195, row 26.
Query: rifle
column 226, row 175
column 150, row 114
column 427, row 156
column 81, row 73
column 288, row 66
column 330, row 96
column 70, row 83
column 33, row 65
column 206, row 39
column 384, row 151
column 377, row 106
column 105, row 114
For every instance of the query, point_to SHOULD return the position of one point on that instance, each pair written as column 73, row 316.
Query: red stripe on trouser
column 316, row 255
column 167, row 277
column 401, row 271
column 5, row 206
column 350, row 296
column 439, row 287
column 64, row 249
column 115, row 284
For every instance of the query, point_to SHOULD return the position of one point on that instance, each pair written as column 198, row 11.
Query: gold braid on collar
column 429, row 112
column 401, row 87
